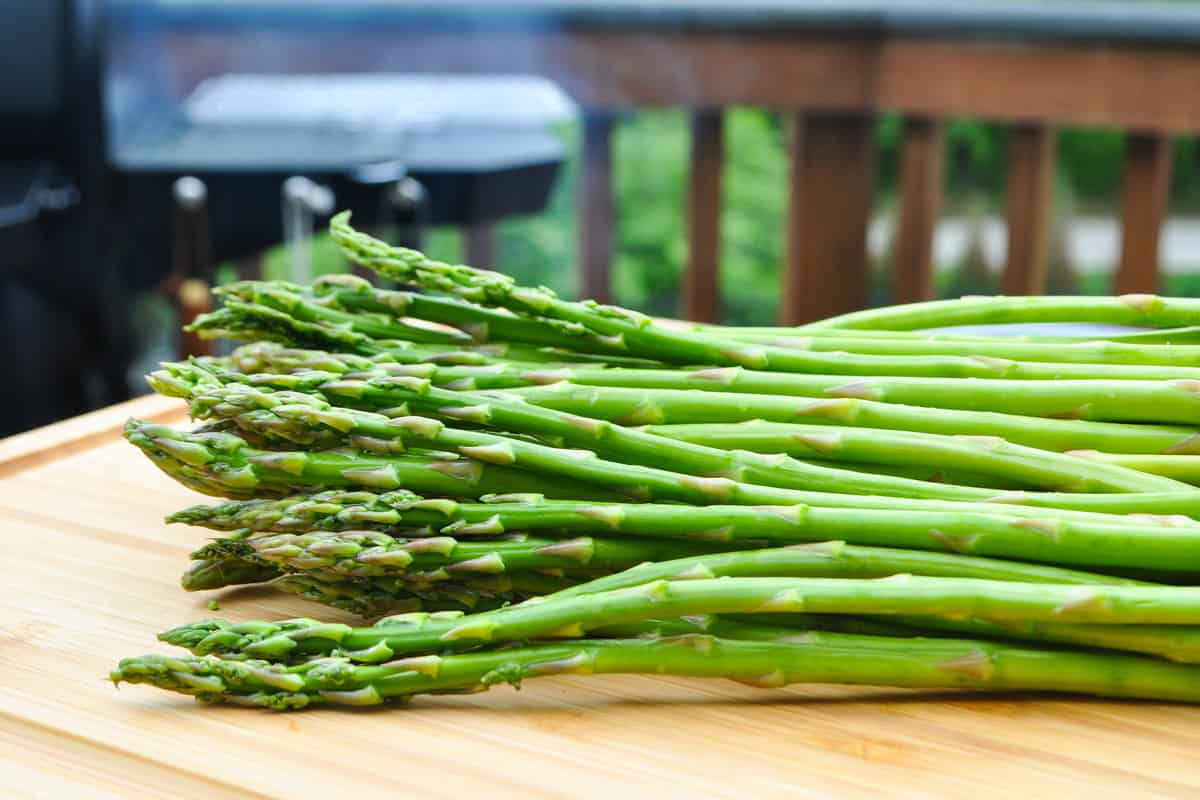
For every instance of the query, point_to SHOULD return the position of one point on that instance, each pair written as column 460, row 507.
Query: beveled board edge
column 51, row 442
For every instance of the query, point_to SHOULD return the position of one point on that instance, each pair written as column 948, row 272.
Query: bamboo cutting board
column 90, row 574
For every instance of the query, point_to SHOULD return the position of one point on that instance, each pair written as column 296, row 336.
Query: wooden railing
column 832, row 85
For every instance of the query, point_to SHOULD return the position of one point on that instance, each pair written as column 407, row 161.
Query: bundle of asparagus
column 528, row 486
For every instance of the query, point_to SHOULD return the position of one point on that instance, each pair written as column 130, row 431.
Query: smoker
column 118, row 179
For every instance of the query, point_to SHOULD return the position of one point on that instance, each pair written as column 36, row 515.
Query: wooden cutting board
column 89, row 574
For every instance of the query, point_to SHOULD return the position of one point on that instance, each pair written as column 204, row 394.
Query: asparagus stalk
column 298, row 416
column 807, row 656
column 839, row 560
column 266, row 325
column 369, row 325
column 936, row 474
column 640, row 336
column 1052, row 434
column 1172, row 642
column 339, row 299
column 216, row 573
column 1157, row 400
column 836, row 559
column 1184, row 468
column 390, row 595
column 246, row 322
column 1122, row 334
column 825, row 559
column 350, row 293
column 612, row 441
column 237, row 470
column 266, row 356
column 282, row 297
column 222, row 464
column 1130, row 309
column 983, row 456
column 1007, row 532
column 904, row 595
column 1094, row 352
column 369, row 554
column 671, row 406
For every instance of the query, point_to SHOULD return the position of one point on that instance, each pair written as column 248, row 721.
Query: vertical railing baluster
column 921, row 155
column 830, row 193
column 1030, row 188
column 701, row 278
column 1144, row 192
column 596, row 213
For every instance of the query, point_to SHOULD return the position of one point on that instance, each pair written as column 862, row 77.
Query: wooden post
column 481, row 245
column 1030, row 186
column 249, row 268
column 921, row 153
column 1144, row 192
column 701, row 277
column 193, row 298
column 596, row 217
column 192, row 271
column 832, row 178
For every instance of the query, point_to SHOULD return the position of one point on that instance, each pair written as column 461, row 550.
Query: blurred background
column 751, row 162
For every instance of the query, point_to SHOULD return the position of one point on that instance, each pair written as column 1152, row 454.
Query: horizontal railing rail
column 832, row 84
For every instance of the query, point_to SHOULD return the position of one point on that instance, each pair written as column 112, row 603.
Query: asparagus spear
column 1178, row 467
column 390, row 595
column 368, row 554
column 263, row 356
column 672, row 406
column 222, row 464
column 1049, row 434
column 643, row 447
column 1010, row 532
column 1130, row 309
column 983, row 456
column 350, row 293
column 839, row 560
column 1157, row 400
column 835, row 559
column 337, row 298
column 1121, row 334
column 298, row 416
column 640, row 336
column 240, row 470
column 1094, row 352
column 936, row 474
column 826, row 559
column 216, row 573
column 246, row 322
column 904, row 595
column 792, row 657
column 369, row 325
column 281, row 297
column 271, row 470
column 266, row 325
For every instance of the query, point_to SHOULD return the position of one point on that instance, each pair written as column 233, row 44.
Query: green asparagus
column 574, row 616
column 796, row 657
column 1129, row 309
column 673, row 406
column 640, row 336
column 1009, row 532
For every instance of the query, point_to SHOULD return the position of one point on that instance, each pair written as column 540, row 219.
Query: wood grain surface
column 90, row 574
